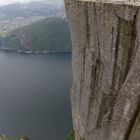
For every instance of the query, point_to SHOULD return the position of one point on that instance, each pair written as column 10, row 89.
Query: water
column 34, row 95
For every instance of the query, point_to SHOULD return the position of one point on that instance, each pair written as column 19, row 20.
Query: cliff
column 106, row 69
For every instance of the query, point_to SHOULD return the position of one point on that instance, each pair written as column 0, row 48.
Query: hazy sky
column 3, row 2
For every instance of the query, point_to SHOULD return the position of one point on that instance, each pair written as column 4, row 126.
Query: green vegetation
column 8, row 138
column 23, row 137
column 50, row 34
column 2, row 33
column 71, row 135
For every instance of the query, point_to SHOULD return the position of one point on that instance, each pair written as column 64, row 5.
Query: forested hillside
column 50, row 34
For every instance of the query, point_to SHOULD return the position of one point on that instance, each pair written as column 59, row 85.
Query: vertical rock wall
column 106, row 69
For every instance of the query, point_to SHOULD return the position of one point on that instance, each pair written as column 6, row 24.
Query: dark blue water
column 34, row 95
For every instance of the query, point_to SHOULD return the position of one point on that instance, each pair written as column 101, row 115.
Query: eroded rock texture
column 106, row 69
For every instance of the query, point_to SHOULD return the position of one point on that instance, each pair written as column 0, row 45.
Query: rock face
column 106, row 69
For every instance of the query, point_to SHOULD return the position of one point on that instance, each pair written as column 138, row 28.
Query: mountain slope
column 36, row 8
column 50, row 34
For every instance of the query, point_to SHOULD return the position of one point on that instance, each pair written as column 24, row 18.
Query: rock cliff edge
column 106, row 69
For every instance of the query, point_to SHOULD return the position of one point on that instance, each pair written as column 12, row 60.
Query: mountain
column 38, row 8
column 50, row 34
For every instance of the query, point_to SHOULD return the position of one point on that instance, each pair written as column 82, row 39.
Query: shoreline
column 34, row 52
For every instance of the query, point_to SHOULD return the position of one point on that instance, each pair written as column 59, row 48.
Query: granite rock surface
column 105, row 94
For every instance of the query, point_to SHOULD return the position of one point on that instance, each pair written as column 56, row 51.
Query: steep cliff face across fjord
column 106, row 69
